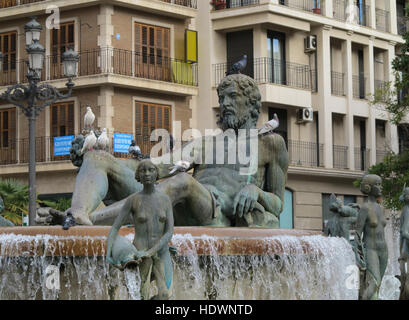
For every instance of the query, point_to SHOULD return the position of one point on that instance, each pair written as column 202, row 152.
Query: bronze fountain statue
column 217, row 194
column 152, row 216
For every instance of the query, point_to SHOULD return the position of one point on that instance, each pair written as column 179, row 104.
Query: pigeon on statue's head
column 238, row 66
column 134, row 150
column 103, row 140
column 89, row 143
column 270, row 126
column 89, row 118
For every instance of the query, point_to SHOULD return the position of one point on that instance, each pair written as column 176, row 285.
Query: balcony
column 340, row 157
column 382, row 20
column 305, row 153
column 362, row 158
column 351, row 14
column 14, row 3
column 314, row 6
column 184, row 3
column 111, row 61
column 358, row 87
column 337, row 83
column 17, row 151
column 339, row 9
column 228, row 4
column 267, row 70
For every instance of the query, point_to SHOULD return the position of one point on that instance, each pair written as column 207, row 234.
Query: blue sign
column 62, row 145
column 122, row 141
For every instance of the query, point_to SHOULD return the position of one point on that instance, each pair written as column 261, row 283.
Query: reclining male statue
column 217, row 194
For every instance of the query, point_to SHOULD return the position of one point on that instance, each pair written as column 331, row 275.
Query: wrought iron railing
column 358, row 87
column 305, row 153
column 267, row 70
column 13, row 3
column 339, row 9
column 337, row 83
column 185, row 3
column 403, row 24
column 382, row 20
column 314, row 6
column 362, row 156
column 340, row 156
column 114, row 61
column 228, row 4
column 355, row 13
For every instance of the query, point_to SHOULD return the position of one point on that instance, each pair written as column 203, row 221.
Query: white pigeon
column 90, row 142
column 270, row 126
column 103, row 140
column 89, row 118
column 180, row 166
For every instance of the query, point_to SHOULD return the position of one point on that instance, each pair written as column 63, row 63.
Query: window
column 8, row 47
column 148, row 117
column 61, row 40
column 8, row 153
column 62, row 119
column 7, row 3
column 152, row 51
column 276, row 57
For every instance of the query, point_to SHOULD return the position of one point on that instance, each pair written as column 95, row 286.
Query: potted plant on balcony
column 218, row 4
column 317, row 7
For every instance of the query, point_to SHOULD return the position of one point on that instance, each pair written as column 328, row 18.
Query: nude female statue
column 152, row 215
column 404, row 245
column 371, row 224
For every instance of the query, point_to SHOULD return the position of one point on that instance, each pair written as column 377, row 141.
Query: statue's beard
column 232, row 122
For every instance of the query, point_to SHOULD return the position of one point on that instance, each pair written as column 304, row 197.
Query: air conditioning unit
column 305, row 115
column 310, row 44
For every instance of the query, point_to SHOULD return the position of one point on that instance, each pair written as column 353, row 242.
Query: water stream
column 324, row 271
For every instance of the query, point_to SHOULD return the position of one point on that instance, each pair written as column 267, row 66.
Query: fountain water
column 256, row 265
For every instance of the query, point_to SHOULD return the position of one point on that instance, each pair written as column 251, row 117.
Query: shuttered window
column 152, row 43
column 62, row 119
column 61, row 40
column 7, row 3
column 148, row 117
column 7, row 128
column 8, row 47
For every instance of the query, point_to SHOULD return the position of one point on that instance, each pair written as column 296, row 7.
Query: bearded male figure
column 217, row 194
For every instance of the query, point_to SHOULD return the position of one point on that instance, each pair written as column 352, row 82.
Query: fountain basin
column 91, row 241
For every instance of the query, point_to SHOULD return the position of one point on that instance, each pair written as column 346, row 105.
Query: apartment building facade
column 310, row 58
column 315, row 57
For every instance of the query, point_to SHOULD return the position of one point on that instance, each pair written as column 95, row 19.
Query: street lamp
column 32, row 99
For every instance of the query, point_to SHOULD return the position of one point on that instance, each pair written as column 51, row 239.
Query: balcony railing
column 337, row 83
column 267, row 70
column 305, row 153
column 13, row 3
column 339, row 9
column 228, row 4
column 403, row 23
column 314, row 6
column 358, row 87
column 17, row 151
column 380, row 155
column 185, row 3
column 114, row 61
column 382, row 20
column 351, row 14
column 340, row 156
column 362, row 158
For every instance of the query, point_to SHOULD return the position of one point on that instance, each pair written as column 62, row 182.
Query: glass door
column 276, row 57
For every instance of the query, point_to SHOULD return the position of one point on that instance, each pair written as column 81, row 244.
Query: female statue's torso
column 374, row 236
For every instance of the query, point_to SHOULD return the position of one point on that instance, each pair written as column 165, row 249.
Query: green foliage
column 15, row 198
column 394, row 171
column 62, row 204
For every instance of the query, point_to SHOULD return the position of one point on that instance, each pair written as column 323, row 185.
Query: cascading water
column 306, row 267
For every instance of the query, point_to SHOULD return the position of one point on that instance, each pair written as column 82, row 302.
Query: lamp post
column 32, row 99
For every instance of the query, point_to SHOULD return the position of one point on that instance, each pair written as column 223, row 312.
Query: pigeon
column 89, row 118
column 238, row 66
column 134, row 150
column 180, row 166
column 90, row 142
column 270, row 126
column 103, row 140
